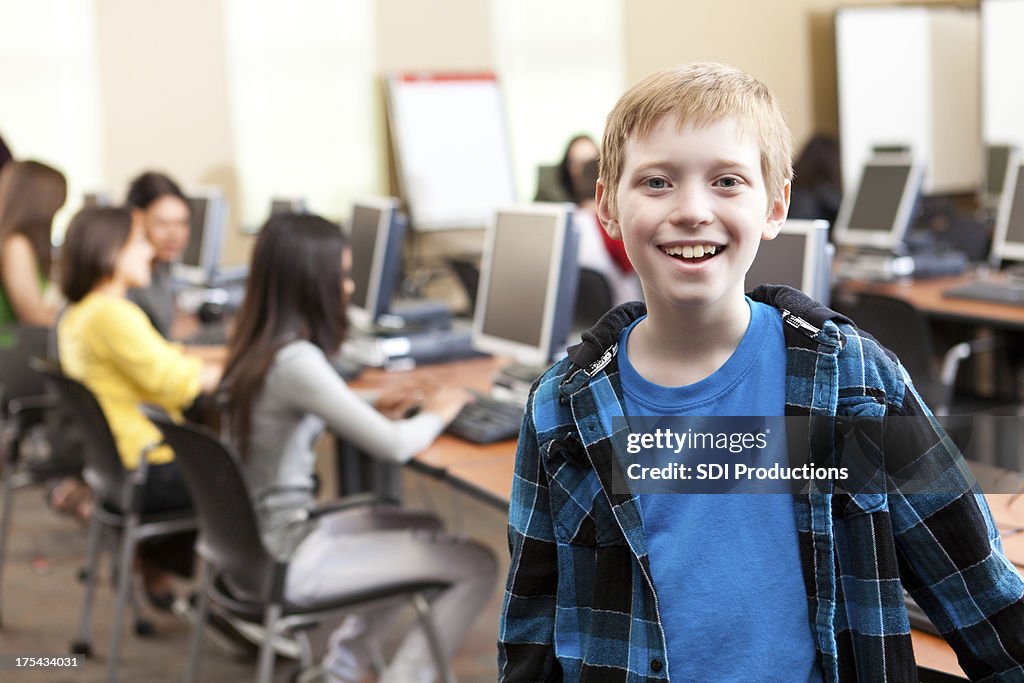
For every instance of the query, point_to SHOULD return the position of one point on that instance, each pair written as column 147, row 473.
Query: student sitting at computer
column 280, row 390
column 30, row 195
column 164, row 211
column 106, row 342
column 556, row 183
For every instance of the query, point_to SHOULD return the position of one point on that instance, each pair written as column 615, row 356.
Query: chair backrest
column 104, row 470
column 229, row 536
column 593, row 298
column 903, row 329
column 18, row 343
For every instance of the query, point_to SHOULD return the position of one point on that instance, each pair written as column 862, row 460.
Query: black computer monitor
column 528, row 280
column 800, row 256
column 285, row 205
column 98, row 198
column 999, row 159
column 879, row 212
column 377, row 229
column 209, row 214
column 1008, row 239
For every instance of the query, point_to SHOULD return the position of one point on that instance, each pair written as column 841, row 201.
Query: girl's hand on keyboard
column 446, row 402
column 406, row 399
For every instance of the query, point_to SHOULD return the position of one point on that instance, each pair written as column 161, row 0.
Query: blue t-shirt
column 726, row 566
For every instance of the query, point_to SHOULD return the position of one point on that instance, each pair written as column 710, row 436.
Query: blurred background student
column 559, row 183
column 161, row 206
column 280, row 391
column 30, row 195
column 106, row 342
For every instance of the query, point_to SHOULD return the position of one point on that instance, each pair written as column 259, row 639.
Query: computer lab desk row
column 486, row 472
column 927, row 295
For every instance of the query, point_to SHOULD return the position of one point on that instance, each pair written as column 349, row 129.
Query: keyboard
column 993, row 292
column 487, row 420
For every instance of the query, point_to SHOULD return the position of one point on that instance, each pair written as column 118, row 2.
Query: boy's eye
column 729, row 181
column 656, row 183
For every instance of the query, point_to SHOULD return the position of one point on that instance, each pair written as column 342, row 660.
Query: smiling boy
column 606, row 585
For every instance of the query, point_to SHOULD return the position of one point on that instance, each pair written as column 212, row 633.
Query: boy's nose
column 692, row 207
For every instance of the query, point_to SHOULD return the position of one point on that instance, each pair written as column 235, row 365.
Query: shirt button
column 655, row 665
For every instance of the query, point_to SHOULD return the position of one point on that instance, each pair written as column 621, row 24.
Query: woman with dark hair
column 106, row 342
column 30, row 195
column 164, row 210
column 565, row 182
column 279, row 392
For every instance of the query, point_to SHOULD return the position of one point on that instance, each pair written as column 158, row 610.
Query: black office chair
column 119, row 505
column 903, row 329
column 23, row 402
column 241, row 576
column 593, row 298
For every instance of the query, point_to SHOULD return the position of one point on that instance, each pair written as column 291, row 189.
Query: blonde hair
column 699, row 94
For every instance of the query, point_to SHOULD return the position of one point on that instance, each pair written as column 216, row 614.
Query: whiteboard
column 451, row 145
column 1002, row 69
column 884, row 83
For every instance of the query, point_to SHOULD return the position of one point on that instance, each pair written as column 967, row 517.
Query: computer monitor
column 98, row 198
column 879, row 212
column 376, row 232
column 1008, row 239
column 209, row 215
column 286, row 205
column 528, row 280
column 800, row 256
column 999, row 159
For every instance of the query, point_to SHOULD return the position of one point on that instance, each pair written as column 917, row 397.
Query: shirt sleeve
column 526, row 649
column 164, row 374
column 309, row 383
column 951, row 557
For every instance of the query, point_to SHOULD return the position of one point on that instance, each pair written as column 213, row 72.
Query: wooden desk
column 447, row 454
column 927, row 296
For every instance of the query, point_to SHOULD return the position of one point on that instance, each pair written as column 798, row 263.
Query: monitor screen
column 879, row 212
column 198, row 207
column 799, row 256
column 1008, row 240
column 286, row 205
column 208, row 217
column 376, row 234
column 529, row 260
column 997, row 162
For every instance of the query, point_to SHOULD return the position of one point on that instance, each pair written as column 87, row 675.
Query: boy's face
column 683, row 194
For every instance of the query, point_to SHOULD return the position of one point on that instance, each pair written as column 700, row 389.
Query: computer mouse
column 210, row 312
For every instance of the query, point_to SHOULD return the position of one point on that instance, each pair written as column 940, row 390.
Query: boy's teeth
column 692, row 251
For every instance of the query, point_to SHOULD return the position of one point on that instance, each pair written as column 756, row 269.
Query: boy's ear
column 777, row 212
column 604, row 214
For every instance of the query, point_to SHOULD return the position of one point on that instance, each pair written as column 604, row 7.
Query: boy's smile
column 691, row 208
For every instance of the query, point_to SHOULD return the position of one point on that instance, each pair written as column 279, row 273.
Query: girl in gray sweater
column 281, row 392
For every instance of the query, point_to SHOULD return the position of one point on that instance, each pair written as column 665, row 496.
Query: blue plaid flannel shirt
column 580, row 604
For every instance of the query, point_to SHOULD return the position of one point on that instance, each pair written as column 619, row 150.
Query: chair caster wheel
column 144, row 628
column 81, row 648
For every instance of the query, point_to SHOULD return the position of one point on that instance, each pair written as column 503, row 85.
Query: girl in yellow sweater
column 106, row 342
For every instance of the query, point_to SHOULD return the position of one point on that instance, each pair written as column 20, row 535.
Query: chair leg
column 266, row 666
column 10, row 460
column 83, row 645
column 124, row 583
column 444, row 672
column 196, row 639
